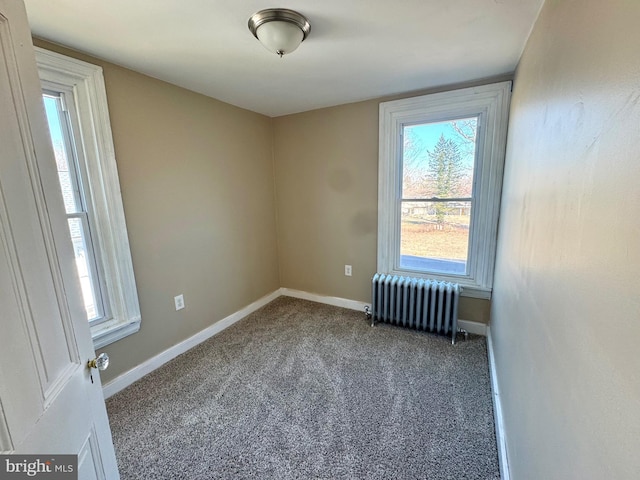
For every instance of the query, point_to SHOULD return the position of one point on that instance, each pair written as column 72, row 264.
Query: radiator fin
column 421, row 304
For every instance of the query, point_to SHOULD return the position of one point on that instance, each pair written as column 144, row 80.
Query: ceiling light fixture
column 280, row 30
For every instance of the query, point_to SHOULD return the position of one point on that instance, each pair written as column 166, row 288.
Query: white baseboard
column 476, row 328
column 139, row 371
column 335, row 301
column 501, row 439
column 148, row 366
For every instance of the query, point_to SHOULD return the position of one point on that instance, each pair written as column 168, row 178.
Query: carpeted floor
column 300, row 390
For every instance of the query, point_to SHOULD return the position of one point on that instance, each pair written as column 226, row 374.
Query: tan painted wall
column 197, row 184
column 327, row 198
column 566, row 306
column 197, row 179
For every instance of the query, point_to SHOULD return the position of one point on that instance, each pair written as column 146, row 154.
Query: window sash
column 417, row 263
column 471, row 260
column 400, row 200
column 397, row 262
column 438, row 199
column 73, row 153
column 97, row 285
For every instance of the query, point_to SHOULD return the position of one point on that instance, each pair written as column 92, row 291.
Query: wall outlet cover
column 179, row 301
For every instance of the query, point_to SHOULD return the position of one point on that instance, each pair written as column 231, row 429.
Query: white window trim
column 90, row 99
column 491, row 103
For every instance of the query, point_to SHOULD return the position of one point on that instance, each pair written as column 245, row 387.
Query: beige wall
column 326, row 184
column 327, row 197
column 197, row 184
column 199, row 191
column 566, row 306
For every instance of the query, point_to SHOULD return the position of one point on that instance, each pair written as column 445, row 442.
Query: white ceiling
column 357, row 49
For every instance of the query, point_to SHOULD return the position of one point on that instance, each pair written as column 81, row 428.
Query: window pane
column 434, row 236
column 69, row 193
column 83, row 264
column 438, row 159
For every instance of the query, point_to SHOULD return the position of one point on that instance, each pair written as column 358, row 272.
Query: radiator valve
column 465, row 333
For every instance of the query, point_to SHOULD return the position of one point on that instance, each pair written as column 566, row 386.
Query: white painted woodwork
column 47, row 400
column 490, row 103
column 90, row 117
column 89, row 460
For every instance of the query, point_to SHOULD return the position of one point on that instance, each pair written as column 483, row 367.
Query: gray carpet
column 300, row 390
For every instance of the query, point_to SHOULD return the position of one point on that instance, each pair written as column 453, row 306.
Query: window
column 440, row 176
column 76, row 108
column 75, row 203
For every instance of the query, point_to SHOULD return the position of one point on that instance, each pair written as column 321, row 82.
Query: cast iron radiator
column 417, row 303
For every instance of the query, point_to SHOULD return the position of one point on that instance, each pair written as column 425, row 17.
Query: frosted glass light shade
column 280, row 30
column 280, row 37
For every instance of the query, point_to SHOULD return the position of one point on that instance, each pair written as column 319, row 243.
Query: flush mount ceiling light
column 280, row 30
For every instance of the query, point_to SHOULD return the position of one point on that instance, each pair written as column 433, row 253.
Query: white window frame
column 86, row 84
column 490, row 103
column 69, row 124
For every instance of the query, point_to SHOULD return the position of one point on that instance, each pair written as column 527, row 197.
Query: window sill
column 112, row 331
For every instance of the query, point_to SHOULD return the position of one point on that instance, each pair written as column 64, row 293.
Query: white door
column 48, row 403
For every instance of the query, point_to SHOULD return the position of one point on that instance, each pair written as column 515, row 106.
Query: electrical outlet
column 179, row 301
column 347, row 270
